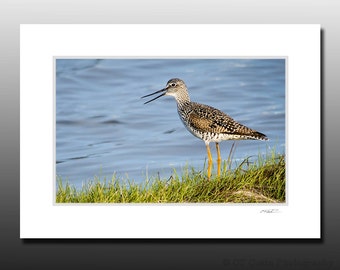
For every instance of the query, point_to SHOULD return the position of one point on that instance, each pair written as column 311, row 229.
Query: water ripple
column 103, row 127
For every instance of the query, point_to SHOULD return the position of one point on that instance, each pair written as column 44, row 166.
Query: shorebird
column 205, row 122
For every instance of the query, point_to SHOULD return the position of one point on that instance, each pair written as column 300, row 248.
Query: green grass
column 262, row 181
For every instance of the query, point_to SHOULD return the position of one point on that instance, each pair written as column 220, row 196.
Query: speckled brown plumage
column 206, row 122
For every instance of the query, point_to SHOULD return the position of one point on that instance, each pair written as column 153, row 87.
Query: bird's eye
column 173, row 84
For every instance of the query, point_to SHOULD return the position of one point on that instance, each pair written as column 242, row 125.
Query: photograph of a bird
column 205, row 122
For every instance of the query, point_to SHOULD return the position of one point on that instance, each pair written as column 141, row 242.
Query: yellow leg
column 209, row 160
column 218, row 159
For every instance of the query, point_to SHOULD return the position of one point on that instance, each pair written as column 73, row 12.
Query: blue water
column 103, row 128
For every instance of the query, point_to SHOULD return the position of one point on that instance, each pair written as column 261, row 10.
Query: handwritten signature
column 270, row 211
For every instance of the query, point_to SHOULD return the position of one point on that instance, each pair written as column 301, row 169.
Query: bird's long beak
column 160, row 91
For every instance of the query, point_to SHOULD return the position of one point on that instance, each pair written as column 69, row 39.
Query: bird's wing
column 208, row 119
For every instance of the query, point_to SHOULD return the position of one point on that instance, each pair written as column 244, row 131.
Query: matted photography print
column 133, row 134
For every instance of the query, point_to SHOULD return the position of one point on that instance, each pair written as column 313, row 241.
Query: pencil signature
column 270, row 211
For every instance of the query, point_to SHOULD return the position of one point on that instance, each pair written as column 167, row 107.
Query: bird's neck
column 182, row 98
column 183, row 105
